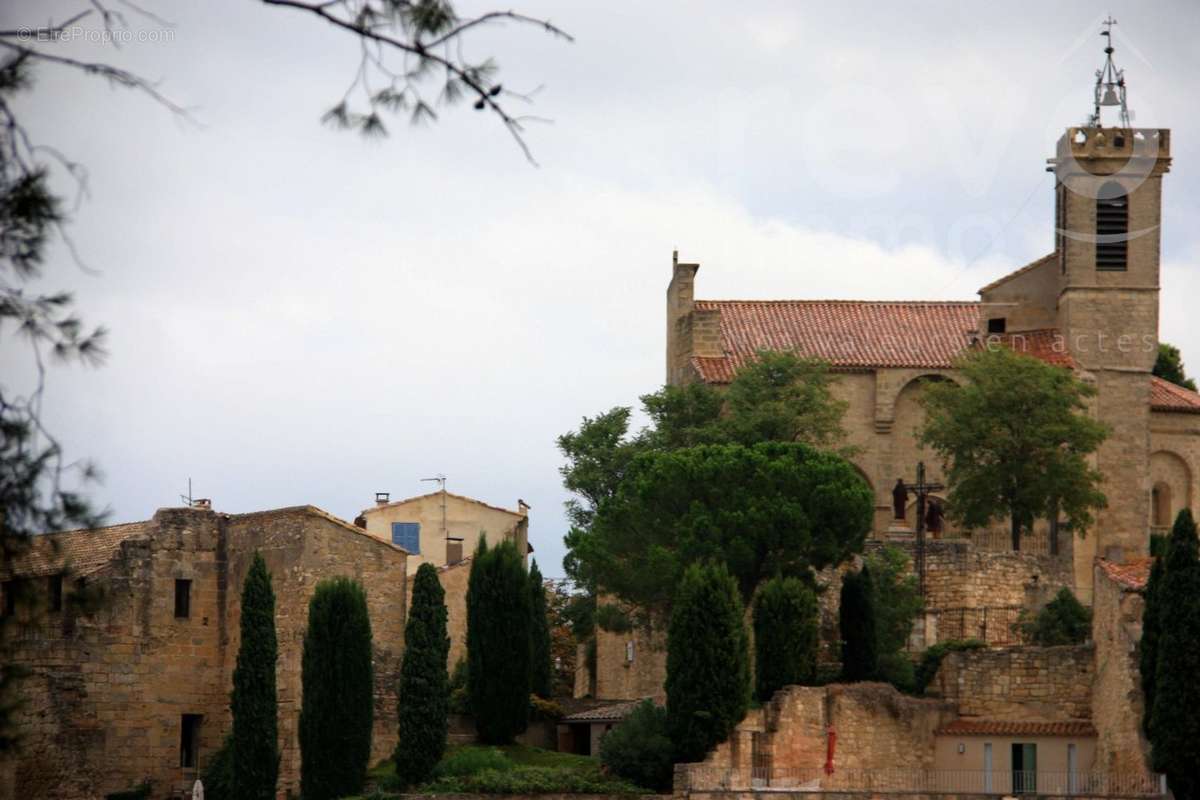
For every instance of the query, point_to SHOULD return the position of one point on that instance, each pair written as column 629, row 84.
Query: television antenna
column 440, row 479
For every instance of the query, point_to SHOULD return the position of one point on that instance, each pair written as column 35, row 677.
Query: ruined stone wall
column 1019, row 683
column 1117, row 700
column 107, row 690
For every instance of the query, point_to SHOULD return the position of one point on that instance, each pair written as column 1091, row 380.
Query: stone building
column 137, row 691
column 1091, row 305
column 443, row 528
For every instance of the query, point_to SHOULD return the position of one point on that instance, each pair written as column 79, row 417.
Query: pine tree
column 424, row 695
column 786, row 636
column 255, row 741
column 1151, row 630
column 337, row 681
column 498, row 617
column 860, row 656
column 708, row 669
column 541, row 673
column 1174, row 725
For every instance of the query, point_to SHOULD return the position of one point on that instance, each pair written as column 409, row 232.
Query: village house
column 136, row 690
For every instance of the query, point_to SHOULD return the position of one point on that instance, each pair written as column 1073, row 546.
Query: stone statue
column 899, row 498
column 934, row 517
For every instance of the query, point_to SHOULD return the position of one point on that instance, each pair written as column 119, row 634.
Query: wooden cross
column 921, row 488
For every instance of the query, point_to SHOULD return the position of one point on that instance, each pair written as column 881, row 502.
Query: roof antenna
column 187, row 498
column 1110, row 82
column 440, row 479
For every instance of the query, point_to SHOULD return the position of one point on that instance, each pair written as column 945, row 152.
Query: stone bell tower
column 1109, row 211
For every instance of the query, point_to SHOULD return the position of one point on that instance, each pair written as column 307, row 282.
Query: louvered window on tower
column 1112, row 229
column 408, row 536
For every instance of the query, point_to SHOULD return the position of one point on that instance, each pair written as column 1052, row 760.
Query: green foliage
column 1174, row 725
column 1064, row 620
column 531, row 780
column 541, row 708
column 498, row 651
column 786, row 636
column 254, row 704
column 460, row 690
column 337, row 682
column 472, row 760
column 541, row 671
column 424, row 696
column 931, row 659
column 897, row 668
column 1152, row 614
column 639, row 749
column 860, row 643
column 763, row 510
column 217, row 776
column 1158, row 544
column 1169, row 366
column 1016, row 438
column 708, row 669
column 897, row 601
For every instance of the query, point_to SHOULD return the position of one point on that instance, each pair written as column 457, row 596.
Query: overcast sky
column 302, row 316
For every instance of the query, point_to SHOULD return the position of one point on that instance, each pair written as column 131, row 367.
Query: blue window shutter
column 407, row 535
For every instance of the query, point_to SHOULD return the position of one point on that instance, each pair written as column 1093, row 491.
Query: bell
column 1110, row 97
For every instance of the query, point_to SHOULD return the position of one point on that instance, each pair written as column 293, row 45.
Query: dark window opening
column 997, row 325
column 55, row 591
column 10, row 598
column 189, row 740
column 183, row 598
column 1024, row 768
column 1112, row 228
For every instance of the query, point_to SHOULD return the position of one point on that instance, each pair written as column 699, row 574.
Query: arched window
column 1112, row 228
column 1160, row 505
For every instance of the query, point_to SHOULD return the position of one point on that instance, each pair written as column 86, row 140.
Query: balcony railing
column 918, row 781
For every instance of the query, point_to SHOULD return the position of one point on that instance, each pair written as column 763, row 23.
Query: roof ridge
column 835, row 301
column 1037, row 262
column 448, row 494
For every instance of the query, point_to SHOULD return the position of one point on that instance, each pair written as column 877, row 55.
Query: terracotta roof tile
column 1166, row 396
column 1132, row 574
column 82, row 552
column 1046, row 345
column 989, row 727
column 848, row 334
column 609, row 713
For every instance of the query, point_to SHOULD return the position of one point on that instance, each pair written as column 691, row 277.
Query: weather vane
column 1110, row 82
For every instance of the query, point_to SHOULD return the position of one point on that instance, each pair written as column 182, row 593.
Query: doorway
column 1024, row 768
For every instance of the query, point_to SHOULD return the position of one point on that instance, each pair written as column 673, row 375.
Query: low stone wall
column 1019, row 683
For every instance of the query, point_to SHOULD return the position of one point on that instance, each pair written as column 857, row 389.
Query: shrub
column 255, row 737
column 217, row 776
column 896, row 596
column 786, row 636
column 531, row 780
column 424, row 697
column 460, row 695
column 708, row 671
column 1064, row 620
column 931, row 660
column 860, row 655
column 337, row 682
column 1151, row 630
column 498, row 616
column 898, row 670
column 541, row 708
column 541, row 671
column 472, row 760
column 639, row 749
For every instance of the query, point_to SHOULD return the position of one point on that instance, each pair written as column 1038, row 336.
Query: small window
column 629, row 652
column 997, row 325
column 183, row 598
column 408, row 536
column 54, row 592
column 189, row 740
column 1112, row 228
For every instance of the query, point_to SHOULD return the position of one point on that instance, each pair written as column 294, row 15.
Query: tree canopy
column 255, row 745
column 1169, row 366
column 424, row 697
column 786, row 636
column 1015, row 439
column 771, row 509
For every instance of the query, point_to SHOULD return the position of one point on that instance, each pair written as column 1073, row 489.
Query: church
column 1090, row 305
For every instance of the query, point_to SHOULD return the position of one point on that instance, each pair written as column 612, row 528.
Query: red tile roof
column 990, row 727
column 609, row 713
column 1047, row 345
column 82, row 552
column 1166, row 396
column 849, row 334
column 1132, row 574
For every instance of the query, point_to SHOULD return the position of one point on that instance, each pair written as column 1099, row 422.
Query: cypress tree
column 337, row 680
column 424, row 682
column 1174, row 725
column 860, row 654
column 255, row 741
column 708, row 669
column 786, row 636
column 540, row 670
column 498, row 617
column 1151, row 630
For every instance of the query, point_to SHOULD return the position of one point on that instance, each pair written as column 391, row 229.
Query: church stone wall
column 106, row 691
column 1019, row 683
column 1174, row 459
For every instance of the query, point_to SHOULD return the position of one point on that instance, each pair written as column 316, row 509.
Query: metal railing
column 923, row 781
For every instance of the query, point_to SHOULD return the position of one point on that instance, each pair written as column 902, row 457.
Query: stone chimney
column 680, row 299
